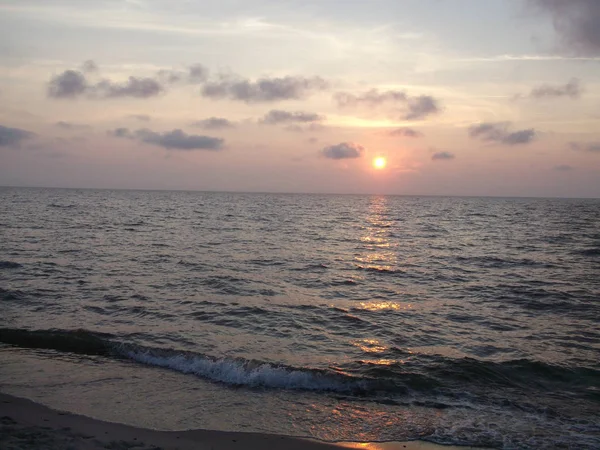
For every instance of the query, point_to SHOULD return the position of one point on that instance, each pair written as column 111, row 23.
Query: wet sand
column 28, row 425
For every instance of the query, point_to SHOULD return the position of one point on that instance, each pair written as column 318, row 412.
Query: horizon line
column 208, row 191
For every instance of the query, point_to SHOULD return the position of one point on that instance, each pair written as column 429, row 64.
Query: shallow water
column 458, row 320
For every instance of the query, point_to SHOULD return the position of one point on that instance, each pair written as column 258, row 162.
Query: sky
column 459, row 97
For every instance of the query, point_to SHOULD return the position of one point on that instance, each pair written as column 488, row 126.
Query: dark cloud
column 73, row 83
column 71, row 126
column 412, row 108
column 563, row 168
column 171, row 140
column 134, row 87
column 592, row 147
column 442, row 156
column 12, row 137
column 197, row 73
column 69, row 84
column 577, row 22
column 519, row 137
column 571, row 89
column 406, row 132
column 345, row 150
column 121, row 133
column 89, row 66
column 277, row 116
column 264, row 89
column 499, row 132
column 421, row 107
column 141, row 117
column 213, row 123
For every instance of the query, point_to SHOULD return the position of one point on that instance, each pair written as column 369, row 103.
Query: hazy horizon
column 484, row 99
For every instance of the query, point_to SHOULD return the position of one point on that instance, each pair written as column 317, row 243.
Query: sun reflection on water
column 370, row 346
column 385, row 305
column 377, row 249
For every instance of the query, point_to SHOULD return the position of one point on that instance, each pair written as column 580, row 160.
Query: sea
column 468, row 321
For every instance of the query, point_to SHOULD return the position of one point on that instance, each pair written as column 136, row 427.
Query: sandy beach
column 25, row 424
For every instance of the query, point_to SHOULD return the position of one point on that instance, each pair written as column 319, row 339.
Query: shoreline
column 25, row 424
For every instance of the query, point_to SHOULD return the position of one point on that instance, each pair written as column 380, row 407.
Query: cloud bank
column 403, row 106
column 572, row 89
column 72, row 84
column 277, row 116
column 345, row 150
column 12, row 137
column 592, row 147
column 213, row 123
column 263, row 90
column 171, row 140
column 442, row 156
column 499, row 132
column 405, row 132
column 70, row 126
column 577, row 22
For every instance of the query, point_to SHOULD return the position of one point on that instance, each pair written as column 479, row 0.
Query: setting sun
column 379, row 162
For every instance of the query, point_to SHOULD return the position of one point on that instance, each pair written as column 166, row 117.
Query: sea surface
column 366, row 318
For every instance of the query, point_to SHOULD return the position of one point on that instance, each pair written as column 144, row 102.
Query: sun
column 380, row 162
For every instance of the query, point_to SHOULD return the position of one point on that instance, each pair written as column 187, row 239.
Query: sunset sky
column 461, row 97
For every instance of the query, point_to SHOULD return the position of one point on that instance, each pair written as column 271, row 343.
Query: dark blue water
column 456, row 320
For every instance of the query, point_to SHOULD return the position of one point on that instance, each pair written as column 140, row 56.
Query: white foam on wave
column 239, row 373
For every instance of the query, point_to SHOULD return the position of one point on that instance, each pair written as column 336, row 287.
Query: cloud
column 277, row 116
column 69, row 84
column 421, row 107
column 499, row 132
column 563, row 168
column 134, row 87
column 89, row 66
column 411, row 108
column 372, row 98
column 213, row 123
column 71, row 126
column 519, row 137
column 121, row 133
column 571, row 89
column 442, row 156
column 406, row 132
column 171, row 140
column 577, row 22
column 195, row 74
column 73, row 83
column 76, row 83
column 12, row 137
column 345, row 150
column 264, row 89
column 592, row 147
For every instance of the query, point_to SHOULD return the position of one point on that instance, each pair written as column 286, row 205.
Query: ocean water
column 455, row 320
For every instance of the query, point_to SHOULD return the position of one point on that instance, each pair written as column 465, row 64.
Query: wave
column 9, row 265
column 235, row 372
column 11, row 295
column 365, row 378
column 381, row 270
column 240, row 372
column 593, row 251
column 72, row 341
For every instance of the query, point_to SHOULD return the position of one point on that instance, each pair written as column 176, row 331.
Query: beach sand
column 28, row 425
